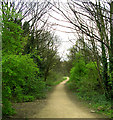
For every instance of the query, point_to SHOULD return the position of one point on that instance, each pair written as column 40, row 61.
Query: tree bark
column 111, row 46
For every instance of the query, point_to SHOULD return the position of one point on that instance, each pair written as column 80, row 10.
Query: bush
column 84, row 77
column 84, row 80
column 77, row 73
column 39, row 89
column 28, row 98
column 7, row 107
column 20, row 81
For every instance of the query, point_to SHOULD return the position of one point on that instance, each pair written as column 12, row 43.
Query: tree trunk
column 111, row 46
column 102, row 32
column 105, row 71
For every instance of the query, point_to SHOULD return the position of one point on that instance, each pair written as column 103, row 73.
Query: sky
column 57, row 21
column 65, row 34
column 64, row 37
column 57, row 24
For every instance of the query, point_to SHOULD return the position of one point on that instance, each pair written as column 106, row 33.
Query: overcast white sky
column 64, row 36
column 56, row 20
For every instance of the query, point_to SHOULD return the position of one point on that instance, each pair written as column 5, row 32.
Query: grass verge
column 94, row 100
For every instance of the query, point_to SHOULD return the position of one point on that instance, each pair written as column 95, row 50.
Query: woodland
column 31, row 65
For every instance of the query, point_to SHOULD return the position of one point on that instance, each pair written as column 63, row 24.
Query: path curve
column 59, row 105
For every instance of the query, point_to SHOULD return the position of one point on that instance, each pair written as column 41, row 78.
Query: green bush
column 84, row 77
column 84, row 80
column 39, row 89
column 28, row 98
column 20, row 81
column 12, row 40
column 7, row 107
column 91, row 75
column 77, row 73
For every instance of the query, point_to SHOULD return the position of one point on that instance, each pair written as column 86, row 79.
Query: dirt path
column 59, row 105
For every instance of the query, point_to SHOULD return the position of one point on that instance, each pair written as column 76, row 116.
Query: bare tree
column 94, row 20
column 31, row 12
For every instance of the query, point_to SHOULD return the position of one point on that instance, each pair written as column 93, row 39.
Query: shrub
column 91, row 75
column 20, row 81
column 28, row 98
column 77, row 72
column 84, row 80
column 7, row 107
column 39, row 89
column 84, row 77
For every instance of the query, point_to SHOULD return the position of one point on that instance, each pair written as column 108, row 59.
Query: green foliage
column 11, row 31
column 77, row 72
column 54, row 78
column 40, row 90
column 91, row 75
column 84, row 75
column 98, row 102
column 15, row 65
column 7, row 107
column 11, row 35
column 20, row 82
column 28, row 98
column 24, row 75
column 84, row 80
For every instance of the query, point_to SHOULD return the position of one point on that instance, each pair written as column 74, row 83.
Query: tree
column 88, row 18
column 11, row 31
column 111, row 46
column 32, row 11
column 42, row 43
column 20, row 72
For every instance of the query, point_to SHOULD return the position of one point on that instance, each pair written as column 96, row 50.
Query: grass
column 94, row 100
column 51, row 82
column 59, row 81
column 98, row 103
column 54, row 78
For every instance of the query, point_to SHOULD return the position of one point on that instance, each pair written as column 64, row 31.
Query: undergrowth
column 54, row 78
column 84, row 81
